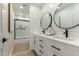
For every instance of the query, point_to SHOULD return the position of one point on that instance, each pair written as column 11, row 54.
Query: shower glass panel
column 21, row 29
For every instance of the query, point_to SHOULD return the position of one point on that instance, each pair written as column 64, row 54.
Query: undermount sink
column 50, row 34
column 68, row 39
column 60, row 37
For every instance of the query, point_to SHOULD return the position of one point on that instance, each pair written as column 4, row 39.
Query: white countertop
column 71, row 41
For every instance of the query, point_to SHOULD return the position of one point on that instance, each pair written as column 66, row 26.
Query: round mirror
column 46, row 21
column 66, row 15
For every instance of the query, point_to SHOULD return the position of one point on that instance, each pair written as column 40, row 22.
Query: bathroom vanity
column 46, row 45
column 52, row 46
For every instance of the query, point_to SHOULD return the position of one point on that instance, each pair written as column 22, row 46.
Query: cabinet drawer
column 54, row 51
column 40, row 40
column 41, row 46
column 42, row 52
column 53, row 48
column 63, row 49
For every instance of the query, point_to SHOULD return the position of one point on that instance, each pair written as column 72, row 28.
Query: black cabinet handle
column 55, row 47
column 41, row 51
column 41, row 40
column 41, row 46
column 4, row 40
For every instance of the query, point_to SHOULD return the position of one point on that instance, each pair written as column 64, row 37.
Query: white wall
column 35, row 13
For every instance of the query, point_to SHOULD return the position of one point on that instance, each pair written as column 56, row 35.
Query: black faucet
column 66, row 33
column 43, row 31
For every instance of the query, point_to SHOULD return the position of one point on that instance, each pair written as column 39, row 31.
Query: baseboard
column 21, row 41
column 12, row 50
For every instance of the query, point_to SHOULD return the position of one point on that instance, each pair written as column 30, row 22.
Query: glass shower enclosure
column 21, row 29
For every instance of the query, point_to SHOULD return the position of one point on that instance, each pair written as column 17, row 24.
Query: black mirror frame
column 60, row 26
column 49, row 24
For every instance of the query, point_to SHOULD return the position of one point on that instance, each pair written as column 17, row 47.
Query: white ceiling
column 24, row 12
column 38, row 4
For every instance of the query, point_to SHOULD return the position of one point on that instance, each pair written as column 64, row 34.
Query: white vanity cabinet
column 39, row 45
column 45, row 46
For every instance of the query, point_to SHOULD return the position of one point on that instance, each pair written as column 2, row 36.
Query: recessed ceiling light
column 50, row 5
column 21, row 7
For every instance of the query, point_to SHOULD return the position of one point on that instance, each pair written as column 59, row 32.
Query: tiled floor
column 22, row 50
